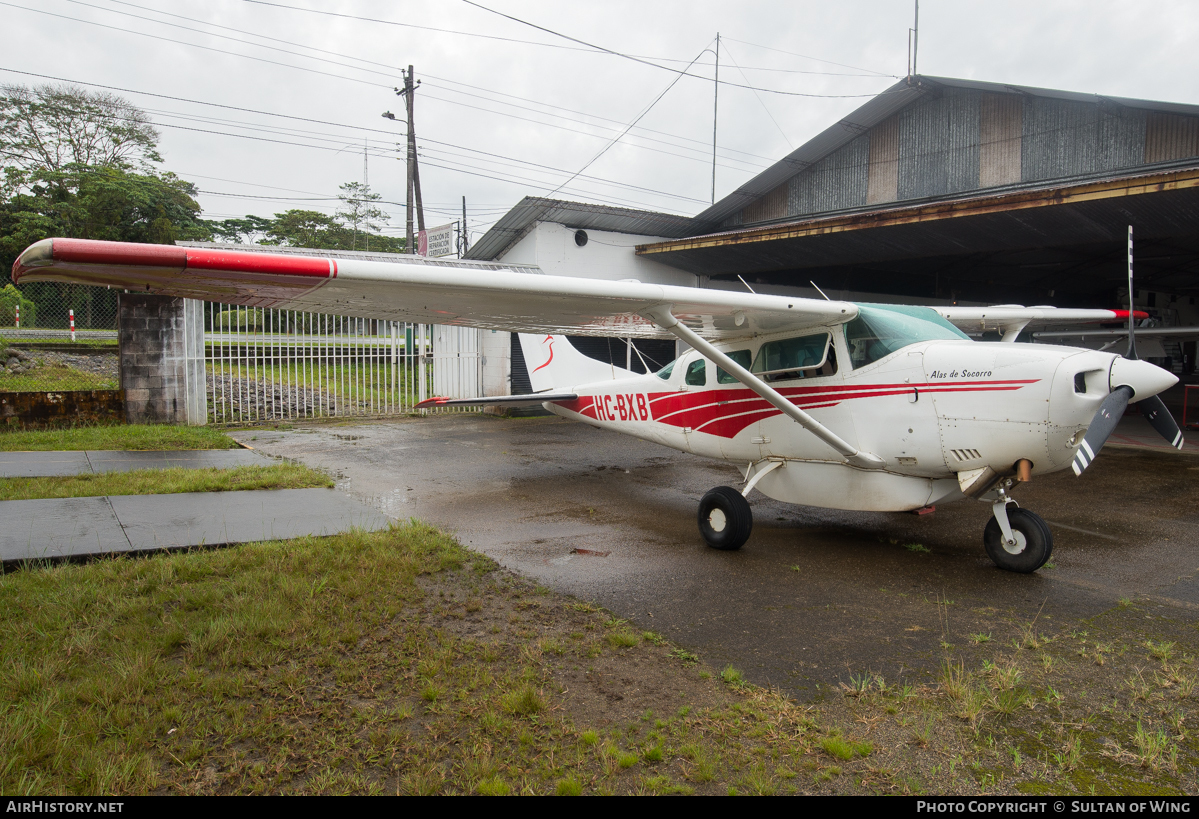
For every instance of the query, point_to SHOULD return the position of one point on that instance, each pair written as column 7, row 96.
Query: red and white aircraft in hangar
column 825, row 403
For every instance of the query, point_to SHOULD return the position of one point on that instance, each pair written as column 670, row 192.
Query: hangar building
column 935, row 191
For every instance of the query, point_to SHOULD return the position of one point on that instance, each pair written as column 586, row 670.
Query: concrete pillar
column 162, row 359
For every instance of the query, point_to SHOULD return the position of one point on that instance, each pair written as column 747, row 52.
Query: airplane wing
column 423, row 291
column 1142, row 332
column 1012, row 319
column 1149, row 339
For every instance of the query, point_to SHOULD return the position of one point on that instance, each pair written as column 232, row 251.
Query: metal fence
column 57, row 337
column 260, row 365
column 273, row 365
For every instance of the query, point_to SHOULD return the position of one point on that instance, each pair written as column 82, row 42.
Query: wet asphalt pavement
column 815, row 595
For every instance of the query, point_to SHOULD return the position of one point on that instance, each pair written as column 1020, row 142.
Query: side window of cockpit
column 665, row 372
column 791, row 358
column 697, row 373
column 742, row 358
column 865, row 345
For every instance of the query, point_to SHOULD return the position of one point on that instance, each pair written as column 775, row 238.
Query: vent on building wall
column 580, row 237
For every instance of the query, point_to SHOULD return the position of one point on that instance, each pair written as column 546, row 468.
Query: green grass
column 400, row 662
column 843, row 749
column 31, row 345
column 119, row 676
column 118, row 436
column 164, row 482
column 338, row 665
column 52, row 378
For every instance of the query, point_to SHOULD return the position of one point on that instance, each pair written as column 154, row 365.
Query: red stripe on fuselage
column 725, row 412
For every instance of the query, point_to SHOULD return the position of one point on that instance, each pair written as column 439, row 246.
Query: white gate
column 457, row 361
column 273, row 365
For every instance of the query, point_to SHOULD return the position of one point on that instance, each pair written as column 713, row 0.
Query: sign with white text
column 438, row 241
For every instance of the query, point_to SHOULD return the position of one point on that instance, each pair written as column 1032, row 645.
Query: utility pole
column 408, row 93
column 464, row 237
column 715, row 104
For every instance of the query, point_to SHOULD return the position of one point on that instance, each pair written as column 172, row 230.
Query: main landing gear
column 725, row 519
column 1016, row 539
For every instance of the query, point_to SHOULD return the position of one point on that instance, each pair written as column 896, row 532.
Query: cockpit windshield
column 881, row 329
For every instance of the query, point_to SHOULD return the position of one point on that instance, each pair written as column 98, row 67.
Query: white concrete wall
column 606, row 255
column 551, row 247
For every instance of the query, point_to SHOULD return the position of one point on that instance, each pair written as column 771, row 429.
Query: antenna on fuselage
column 747, row 287
column 818, row 290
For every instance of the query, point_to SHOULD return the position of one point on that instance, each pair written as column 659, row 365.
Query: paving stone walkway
column 80, row 527
column 47, row 464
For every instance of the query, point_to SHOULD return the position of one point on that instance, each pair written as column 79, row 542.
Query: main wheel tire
column 1034, row 542
column 725, row 519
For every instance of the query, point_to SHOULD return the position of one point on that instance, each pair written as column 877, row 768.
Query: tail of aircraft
column 554, row 364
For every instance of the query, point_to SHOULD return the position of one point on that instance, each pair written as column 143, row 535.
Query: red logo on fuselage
column 550, row 339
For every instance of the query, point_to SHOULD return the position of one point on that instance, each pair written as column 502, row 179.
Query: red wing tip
column 433, row 402
column 1136, row 314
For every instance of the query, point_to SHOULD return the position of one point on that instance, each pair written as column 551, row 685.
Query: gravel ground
column 102, row 365
column 247, row 399
column 30, row 364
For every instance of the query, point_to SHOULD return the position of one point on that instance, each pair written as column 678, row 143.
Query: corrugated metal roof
column 516, row 223
column 879, row 109
column 1162, row 202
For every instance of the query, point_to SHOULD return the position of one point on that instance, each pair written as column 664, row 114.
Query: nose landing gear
column 1016, row 540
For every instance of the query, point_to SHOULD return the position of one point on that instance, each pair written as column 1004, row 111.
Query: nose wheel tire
column 725, row 519
column 1034, row 542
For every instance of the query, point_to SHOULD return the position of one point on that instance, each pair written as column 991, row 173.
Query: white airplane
column 824, row 403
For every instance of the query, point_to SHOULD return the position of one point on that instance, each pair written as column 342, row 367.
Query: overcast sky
column 507, row 110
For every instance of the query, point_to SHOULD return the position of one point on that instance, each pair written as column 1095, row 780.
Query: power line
column 616, row 139
column 414, row 25
column 495, row 158
column 817, row 59
column 343, row 65
column 870, row 73
column 728, row 53
column 249, row 33
column 195, row 45
column 389, row 74
column 639, row 136
column 649, row 62
column 392, row 135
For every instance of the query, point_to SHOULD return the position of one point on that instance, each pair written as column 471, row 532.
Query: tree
column 354, row 227
column 49, row 127
column 85, row 202
column 306, row 228
column 249, row 231
column 359, row 212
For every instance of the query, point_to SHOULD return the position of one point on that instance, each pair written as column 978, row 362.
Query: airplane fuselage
column 931, row 410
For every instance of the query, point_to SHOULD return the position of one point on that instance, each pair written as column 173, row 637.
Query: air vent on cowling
column 966, row 454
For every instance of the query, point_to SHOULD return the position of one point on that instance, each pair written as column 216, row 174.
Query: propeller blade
column 1102, row 425
column 1155, row 412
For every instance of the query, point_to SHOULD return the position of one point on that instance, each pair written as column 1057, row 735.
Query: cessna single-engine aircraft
column 825, row 403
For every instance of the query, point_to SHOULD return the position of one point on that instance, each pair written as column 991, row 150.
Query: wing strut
column 662, row 317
